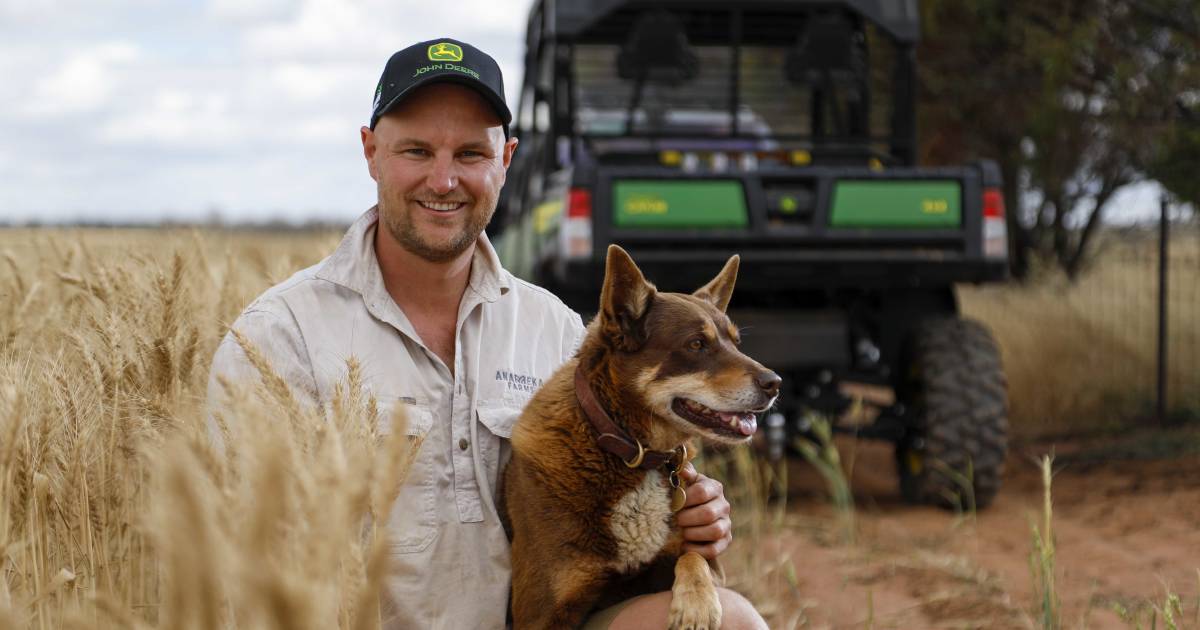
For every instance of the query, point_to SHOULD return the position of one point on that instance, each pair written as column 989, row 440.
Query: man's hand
column 704, row 518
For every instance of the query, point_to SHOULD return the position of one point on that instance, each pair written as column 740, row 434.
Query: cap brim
column 483, row 90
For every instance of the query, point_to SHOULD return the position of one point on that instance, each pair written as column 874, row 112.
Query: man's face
column 439, row 160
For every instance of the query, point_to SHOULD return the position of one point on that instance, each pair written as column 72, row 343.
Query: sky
column 149, row 110
column 241, row 110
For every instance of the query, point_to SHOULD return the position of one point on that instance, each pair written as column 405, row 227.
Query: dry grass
column 1082, row 356
column 757, row 492
column 117, row 511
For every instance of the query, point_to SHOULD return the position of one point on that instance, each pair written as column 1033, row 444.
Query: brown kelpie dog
column 593, row 484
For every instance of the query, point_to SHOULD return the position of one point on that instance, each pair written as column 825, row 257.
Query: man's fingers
column 709, row 551
column 688, row 473
column 704, row 521
column 703, row 490
column 711, row 533
column 706, row 513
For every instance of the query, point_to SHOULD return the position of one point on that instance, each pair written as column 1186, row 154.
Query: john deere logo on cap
column 445, row 51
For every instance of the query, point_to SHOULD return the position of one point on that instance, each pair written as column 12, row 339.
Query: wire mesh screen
column 1121, row 305
column 603, row 99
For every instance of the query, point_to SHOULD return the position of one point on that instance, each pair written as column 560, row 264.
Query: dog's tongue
column 747, row 423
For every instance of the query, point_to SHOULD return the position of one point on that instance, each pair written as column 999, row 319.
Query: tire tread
column 961, row 412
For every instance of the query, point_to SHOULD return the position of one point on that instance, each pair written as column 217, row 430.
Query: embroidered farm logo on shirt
column 518, row 382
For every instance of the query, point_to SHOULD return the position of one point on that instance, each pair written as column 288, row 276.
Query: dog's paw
column 694, row 609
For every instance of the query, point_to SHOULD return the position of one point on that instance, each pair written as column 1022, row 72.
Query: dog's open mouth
column 732, row 423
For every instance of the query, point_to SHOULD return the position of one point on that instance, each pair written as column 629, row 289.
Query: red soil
column 1126, row 531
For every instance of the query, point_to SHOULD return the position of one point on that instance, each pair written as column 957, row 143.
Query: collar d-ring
column 637, row 461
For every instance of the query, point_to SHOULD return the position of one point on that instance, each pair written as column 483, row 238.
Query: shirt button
column 463, row 444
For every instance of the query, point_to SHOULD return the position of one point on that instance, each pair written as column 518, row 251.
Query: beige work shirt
column 450, row 553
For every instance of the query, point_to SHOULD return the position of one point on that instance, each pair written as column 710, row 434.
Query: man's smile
column 441, row 206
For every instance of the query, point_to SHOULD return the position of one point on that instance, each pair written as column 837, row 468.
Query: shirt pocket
column 496, row 451
column 412, row 523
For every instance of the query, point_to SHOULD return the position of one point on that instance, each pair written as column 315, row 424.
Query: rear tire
column 953, row 455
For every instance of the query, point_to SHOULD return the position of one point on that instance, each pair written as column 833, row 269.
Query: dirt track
column 1126, row 530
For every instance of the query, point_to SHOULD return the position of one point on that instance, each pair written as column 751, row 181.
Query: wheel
column 957, row 438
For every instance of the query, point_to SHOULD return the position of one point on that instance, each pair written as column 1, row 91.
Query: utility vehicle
column 783, row 131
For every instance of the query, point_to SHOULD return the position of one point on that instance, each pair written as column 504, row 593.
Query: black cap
column 435, row 61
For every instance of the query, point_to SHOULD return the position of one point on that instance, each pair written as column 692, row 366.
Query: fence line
column 1148, row 285
column 1085, row 354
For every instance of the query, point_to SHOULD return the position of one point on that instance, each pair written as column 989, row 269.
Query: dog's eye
column 696, row 345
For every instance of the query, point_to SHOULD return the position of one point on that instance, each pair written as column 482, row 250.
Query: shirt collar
column 354, row 264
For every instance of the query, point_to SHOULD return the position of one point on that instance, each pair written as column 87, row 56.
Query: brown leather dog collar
column 612, row 438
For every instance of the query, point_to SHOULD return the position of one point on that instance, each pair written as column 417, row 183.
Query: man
column 416, row 293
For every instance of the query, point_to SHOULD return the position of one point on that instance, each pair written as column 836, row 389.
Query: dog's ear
column 624, row 300
column 720, row 289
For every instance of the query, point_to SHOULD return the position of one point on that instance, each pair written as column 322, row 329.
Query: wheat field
column 117, row 512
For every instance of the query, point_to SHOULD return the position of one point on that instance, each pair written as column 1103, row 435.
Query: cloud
column 60, row 12
column 250, row 11
column 173, row 117
column 315, row 83
column 85, row 81
column 320, row 30
column 367, row 32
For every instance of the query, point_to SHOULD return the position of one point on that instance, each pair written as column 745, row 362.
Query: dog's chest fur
column 641, row 523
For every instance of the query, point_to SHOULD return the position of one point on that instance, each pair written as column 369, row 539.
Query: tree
column 1076, row 99
column 1174, row 38
column 1177, row 162
column 974, row 78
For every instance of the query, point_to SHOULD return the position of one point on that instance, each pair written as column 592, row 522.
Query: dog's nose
column 768, row 381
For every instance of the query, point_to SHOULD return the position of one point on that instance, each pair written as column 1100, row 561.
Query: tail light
column 576, row 231
column 995, row 232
